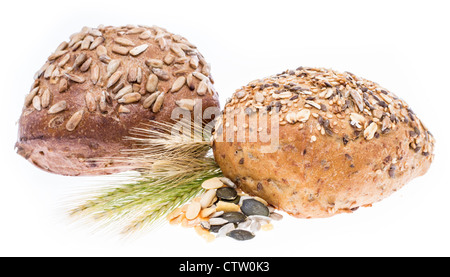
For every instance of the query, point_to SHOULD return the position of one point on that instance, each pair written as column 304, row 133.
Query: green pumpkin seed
column 254, row 207
column 239, row 234
column 226, row 193
column 234, row 217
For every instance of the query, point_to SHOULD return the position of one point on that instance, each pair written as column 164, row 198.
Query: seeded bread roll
column 344, row 142
column 103, row 82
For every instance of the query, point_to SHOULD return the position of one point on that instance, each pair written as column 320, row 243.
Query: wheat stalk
column 172, row 168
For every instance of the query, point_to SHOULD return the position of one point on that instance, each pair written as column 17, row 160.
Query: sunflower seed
column 95, row 32
column 314, row 104
column 177, row 50
column 154, row 63
column 62, row 46
column 123, row 91
column 48, row 72
column 74, row 120
column 199, row 76
column 193, row 62
column 138, row 49
column 217, row 221
column 79, row 60
column 97, row 41
column 190, row 81
column 225, row 229
column 102, row 103
column 45, row 98
column 63, row 85
column 206, row 69
column 95, row 74
column 130, row 98
column 162, row 74
column 37, row 102
column 114, row 79
column 150, row 100
column 86, row 42
column 162, row 43
column 132, row 75
column 202, row 87
column 120, row 50
column 357, row 98
column 57, row 54
column 159, row 102
column 64, row 60
column 178, row 84
column 168, row 59
column 101, row 51
column 369, row 132
column 85, row 66
column 152, row 83
column 227, row 182
column 186, row 104
column 58, row 107
column 74, row 78
column 90, row 102
column 146, row 35
column 139, row 75
column 136, row 30
column 123, row 41
column 30, row 96
column 112, row 67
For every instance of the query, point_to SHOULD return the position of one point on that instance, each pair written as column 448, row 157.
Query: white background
column 402, row 45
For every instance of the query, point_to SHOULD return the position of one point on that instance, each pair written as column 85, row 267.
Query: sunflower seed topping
column 138, row 49
column 150, row 100
column 123, row 41
column 74, row 78
column 37, row 102
column 187, row 104
column 58, row 107
column 74, row 120
column 114, row 79
column 91, row 104
column 130, row 98
column 178, row 84
column 120, row 50
column 158, row 102
column 152, row 83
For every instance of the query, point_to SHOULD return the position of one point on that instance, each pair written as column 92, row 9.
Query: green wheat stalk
column 172, row 169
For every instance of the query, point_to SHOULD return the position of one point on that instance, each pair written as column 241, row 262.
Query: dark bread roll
column 103, row 82
column 344, row 142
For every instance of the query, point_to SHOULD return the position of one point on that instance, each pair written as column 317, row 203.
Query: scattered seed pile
column 221, row 209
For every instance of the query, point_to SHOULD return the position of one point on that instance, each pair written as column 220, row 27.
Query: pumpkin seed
column 254, row 207
column 239, row 234
column 234, row 217
column 226, row 193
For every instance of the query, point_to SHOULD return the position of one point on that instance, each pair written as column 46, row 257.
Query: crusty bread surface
column 344, row 142
column 101, row 84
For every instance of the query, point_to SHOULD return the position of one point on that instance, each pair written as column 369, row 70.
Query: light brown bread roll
column 344, row 142
column 100, row 84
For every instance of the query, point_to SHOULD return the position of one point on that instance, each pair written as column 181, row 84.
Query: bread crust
column 315, row 173
column 94, row 146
